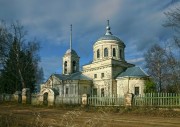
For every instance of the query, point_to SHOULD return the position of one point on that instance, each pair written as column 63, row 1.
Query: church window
column 94, row 91
column 67, row 90
column 102, row 75
column 120, row 54
column 102, row 92
column 136, row 90
column 95, row 75
column 105, row 52
column 114, row 52
column 98, row 53
column 74, row 66
column 65, row 67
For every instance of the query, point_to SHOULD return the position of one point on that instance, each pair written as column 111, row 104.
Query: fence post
column 26, row 96
column 128, row 99
column 84, row 100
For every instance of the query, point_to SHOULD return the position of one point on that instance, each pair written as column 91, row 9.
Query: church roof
column 71, row 51
column 109, row 37
column 133, row 72
column 73, row 76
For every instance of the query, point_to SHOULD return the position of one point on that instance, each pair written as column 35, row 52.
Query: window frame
column 136, row 90
column 74, row 67
column 102, row 92
column 95, row 75
column 114, row 52
column 98, row 54
column 102, row 75
column 67, row 90
column 106, row 52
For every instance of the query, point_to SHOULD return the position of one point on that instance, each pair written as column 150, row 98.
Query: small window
column 102, row 75
column 95, row 75
column 94, row 91
column 65, row 71
column 65, row 67
column 67, row 90
column 65, row 64
column 98, row 53
column 114, row 52
column 136, row 92
column 74, row 66
column 105, row 52
column 102, row 92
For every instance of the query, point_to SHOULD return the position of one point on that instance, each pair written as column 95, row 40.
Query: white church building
column 108, row 75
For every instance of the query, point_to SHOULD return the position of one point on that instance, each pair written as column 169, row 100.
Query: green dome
column 109, row 36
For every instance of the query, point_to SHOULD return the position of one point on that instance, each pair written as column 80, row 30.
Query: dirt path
column 56, row 117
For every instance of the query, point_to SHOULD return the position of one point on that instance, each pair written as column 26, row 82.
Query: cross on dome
column 71, row 37
column 108, row 29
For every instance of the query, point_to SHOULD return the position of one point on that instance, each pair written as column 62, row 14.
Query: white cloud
column 136, row 60
column 51, row 65
column 137, row 23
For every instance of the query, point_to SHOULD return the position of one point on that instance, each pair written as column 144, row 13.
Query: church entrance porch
column 45, row 98
column 48, row 96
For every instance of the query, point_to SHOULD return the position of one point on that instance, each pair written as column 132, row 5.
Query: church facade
column 107, row 75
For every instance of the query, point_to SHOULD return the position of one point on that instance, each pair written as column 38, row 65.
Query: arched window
column 105, row 52
column 65, row 67
column 114, row 52
column 74, row 66
column 98, row 53
column 120, row 54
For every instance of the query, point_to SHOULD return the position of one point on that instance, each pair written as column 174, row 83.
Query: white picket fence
column 71, row 100
column 157, row 99
column 106, row 101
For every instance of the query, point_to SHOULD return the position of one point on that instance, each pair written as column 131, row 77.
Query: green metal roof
column 133, row 72
column 73, row 76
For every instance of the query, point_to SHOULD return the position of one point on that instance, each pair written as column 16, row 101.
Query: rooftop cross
column 108, row 32
column 71, row 37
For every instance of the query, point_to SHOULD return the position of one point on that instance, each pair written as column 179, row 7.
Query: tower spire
column 108, row 32
column 108, row 22
column 71, row 37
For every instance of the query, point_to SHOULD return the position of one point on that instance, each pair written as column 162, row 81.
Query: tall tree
column 9, row 77
column 18, row 57
column 155, row 58
column 173, row 54
column 173, row 21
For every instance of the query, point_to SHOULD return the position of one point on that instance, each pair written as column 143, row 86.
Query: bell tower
column 70, row 59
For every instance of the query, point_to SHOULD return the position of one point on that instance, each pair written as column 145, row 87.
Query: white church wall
column 126, row 85
column 102, row 77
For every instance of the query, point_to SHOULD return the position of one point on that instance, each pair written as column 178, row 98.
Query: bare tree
column 173, row 54
column 155, row 63
column 173, row 21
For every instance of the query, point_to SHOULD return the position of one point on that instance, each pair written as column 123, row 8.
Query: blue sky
column 138, row 23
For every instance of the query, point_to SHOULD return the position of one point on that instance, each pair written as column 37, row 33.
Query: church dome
column 71, row 51
column 109, row 36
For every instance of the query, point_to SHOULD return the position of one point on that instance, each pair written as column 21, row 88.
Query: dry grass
column 13, row 115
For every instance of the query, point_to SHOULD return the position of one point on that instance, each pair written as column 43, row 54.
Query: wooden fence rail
column 148, row 99
column 157, row 99
column 68, row 100
column 106, row 101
